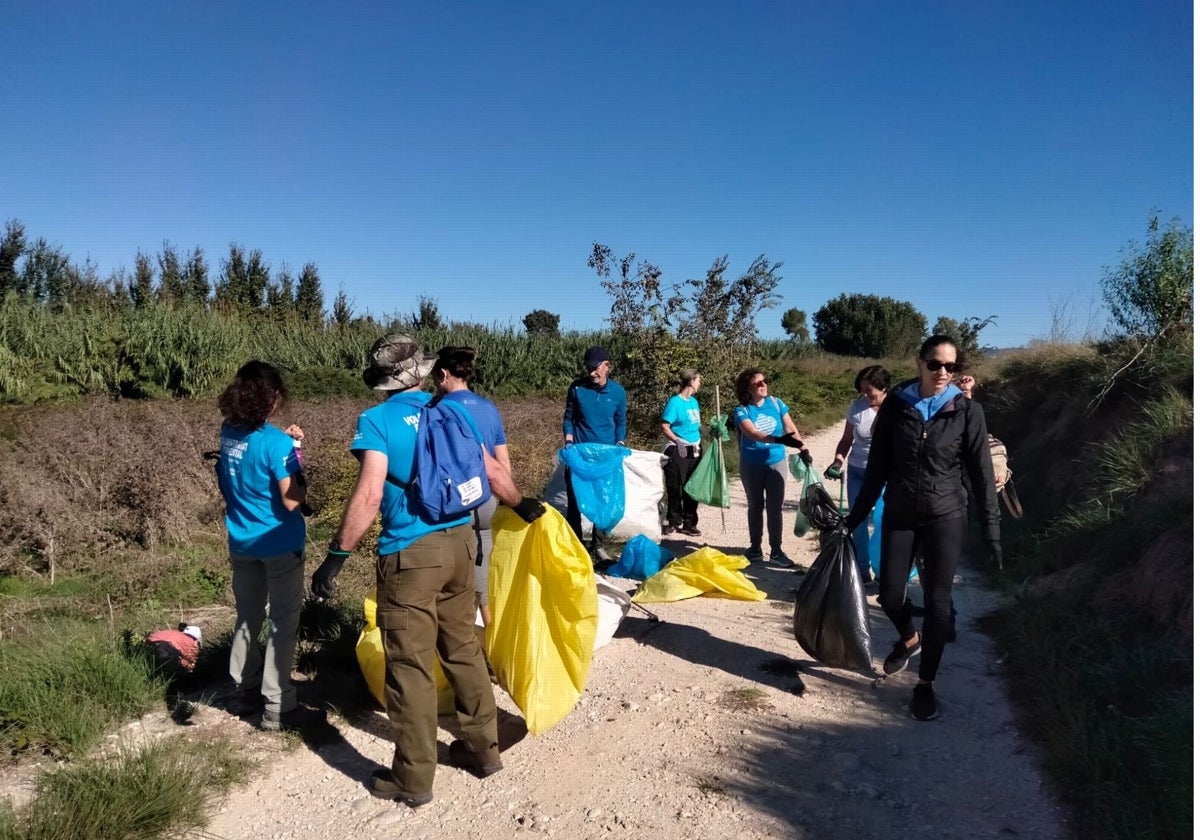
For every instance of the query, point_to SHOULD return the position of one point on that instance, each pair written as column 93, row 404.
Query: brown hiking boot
column 478, row 764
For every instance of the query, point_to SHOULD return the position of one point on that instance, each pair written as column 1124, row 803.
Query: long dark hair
column 251, row 397
column 741, row 385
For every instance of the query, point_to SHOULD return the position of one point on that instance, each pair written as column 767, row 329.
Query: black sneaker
column 384, row 786
column 898, row 658
column 463, row 757
column 754, row 554
column 924, row 704
column 690, row 530
column 248, row 704
column 296, row 720
column 668, row 530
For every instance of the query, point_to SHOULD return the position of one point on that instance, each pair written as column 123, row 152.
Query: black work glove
column 529, row 509
column 852, row 524
column 833, row 472
column 792, row 441
column 324, row 579
column 997, row 554
column 806, row 457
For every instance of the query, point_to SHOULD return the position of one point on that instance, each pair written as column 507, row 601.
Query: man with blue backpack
column 422, row 465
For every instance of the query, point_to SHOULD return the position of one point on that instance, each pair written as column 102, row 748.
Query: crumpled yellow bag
column 544, row 614
column 372, row 661
column 705, row 571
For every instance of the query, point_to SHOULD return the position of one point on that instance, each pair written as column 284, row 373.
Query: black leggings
column 682, row 509
column 941, row 543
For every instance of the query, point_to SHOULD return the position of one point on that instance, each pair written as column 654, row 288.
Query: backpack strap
column 404, row 485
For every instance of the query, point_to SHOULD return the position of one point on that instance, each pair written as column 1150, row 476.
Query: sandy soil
column 668, row 743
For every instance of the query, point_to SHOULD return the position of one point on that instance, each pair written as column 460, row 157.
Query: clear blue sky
column 973, row 157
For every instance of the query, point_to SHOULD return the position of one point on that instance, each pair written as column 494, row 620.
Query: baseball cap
column 594, row 356
column 396, row 363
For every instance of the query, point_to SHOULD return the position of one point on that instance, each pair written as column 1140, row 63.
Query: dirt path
column 659, row 745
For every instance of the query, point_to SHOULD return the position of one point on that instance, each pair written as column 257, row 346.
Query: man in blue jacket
column 595, row 413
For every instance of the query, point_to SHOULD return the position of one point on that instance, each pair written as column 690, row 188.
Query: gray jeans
column 267, row 588
column 764, row 486
column 483, row 546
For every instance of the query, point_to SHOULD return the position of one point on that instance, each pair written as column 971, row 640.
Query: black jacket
column 924, row 465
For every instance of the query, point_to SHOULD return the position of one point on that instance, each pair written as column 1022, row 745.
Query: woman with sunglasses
column 928, row 437
column 765, row 427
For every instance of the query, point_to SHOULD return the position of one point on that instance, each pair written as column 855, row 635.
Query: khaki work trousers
column 426, row 608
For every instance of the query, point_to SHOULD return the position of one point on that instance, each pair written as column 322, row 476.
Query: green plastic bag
column 709, row 484
column 807, row 476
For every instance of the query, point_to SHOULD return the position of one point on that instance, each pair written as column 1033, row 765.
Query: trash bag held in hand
column 709, row 484
column 830, row 619
column 544, row 615
column 598, row 479
column 807, row 475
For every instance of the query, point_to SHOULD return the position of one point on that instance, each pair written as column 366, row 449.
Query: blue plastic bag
column 641, row 558
column 598, row 480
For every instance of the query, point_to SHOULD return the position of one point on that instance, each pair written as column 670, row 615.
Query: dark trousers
column 575, row 518
column 940, row 542
column 681, row 463
column 426, row 598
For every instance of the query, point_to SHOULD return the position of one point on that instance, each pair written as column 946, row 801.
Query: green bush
column 64, row 684
column 163, row 790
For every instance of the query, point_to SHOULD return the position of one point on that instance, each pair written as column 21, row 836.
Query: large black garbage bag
column 830, row 620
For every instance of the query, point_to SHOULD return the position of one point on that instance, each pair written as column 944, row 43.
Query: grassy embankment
column 1100, row 633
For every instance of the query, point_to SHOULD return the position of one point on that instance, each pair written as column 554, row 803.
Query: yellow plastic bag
column 372, row 661
column 544, row 615
column 703, row 572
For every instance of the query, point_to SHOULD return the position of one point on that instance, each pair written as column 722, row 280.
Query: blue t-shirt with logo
column 250, row 467
column 391, row 428
column 682, row 414
column 768, row 419
column 486, row 417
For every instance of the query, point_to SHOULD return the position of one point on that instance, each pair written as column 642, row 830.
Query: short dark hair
column 877, row 376
column 459, row 362
column 249, row 399
column 686, row 377
column 741, row 385
column 937, row 341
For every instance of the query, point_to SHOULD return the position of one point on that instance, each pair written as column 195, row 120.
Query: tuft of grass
column 710, row 785
column 744, row 700
column 64, row 684
column 163, row 790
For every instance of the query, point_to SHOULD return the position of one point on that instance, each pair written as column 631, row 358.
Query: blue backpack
column 449, row 476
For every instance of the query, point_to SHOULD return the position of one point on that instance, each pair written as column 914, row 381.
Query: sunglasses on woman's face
column 933, row 366
column 758, row 382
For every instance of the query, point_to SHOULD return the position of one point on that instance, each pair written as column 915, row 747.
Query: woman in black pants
column 927, row 437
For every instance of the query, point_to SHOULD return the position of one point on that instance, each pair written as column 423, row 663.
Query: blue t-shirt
column 682, row 414
column 250, row 467
column 595, row 415
column 391, row 428
column 486, row 417
column 768, row 419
